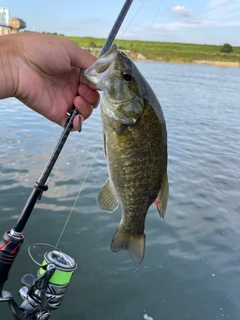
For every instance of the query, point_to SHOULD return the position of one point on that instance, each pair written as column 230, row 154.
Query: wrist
column 8, row 67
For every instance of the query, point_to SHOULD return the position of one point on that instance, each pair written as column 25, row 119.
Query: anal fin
column 162, row 197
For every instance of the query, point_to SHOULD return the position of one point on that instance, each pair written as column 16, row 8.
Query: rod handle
column 9, row 247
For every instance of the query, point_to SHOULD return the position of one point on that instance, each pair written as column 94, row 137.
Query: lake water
column 191, row 268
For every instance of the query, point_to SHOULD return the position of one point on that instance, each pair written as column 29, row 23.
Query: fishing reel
column 45, row 291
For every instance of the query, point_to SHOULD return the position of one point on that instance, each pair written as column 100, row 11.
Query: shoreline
column 204, row 62
column 140, row 57
column 218, row 63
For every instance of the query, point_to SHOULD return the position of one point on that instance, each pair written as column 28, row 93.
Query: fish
column 135, row 146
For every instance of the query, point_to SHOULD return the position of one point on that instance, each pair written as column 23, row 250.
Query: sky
column 189, row 21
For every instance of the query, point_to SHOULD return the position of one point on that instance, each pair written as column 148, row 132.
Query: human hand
column 48, row 76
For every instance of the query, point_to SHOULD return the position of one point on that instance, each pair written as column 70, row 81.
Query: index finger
column 88, row 83
column 80, row 58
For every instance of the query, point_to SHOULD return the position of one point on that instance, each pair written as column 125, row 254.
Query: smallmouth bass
column 135, row 146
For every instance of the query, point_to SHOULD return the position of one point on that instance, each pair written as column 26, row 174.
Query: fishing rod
column 45, row 291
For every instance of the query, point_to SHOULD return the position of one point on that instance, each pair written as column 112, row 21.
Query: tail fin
column 133, row 243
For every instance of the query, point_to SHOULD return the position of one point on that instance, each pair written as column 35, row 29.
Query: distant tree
column 92, row 44
column 226, row 48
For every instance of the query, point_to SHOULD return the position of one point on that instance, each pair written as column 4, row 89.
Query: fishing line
column 151, row 26
column 78, row 195
column 144, row 41
column 131, row 21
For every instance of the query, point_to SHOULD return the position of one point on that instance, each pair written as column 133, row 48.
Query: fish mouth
column 98, row 72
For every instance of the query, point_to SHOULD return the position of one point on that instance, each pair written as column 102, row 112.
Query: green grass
column 166, row 51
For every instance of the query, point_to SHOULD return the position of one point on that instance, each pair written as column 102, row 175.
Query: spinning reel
column 45, row 291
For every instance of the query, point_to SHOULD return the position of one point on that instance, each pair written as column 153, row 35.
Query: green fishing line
column 59, row 277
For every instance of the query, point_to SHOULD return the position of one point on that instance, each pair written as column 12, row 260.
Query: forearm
column 8, row 70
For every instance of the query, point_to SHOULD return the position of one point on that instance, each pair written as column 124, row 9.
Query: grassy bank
column 166, row 51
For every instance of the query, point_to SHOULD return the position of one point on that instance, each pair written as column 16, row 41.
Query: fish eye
column 127, row 76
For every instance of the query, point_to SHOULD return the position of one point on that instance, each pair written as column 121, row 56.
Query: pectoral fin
column 162, row 197
column 107, row 198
